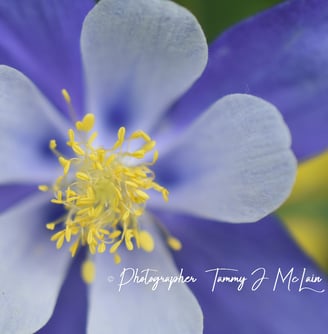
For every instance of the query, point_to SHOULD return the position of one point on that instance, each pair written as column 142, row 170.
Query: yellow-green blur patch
column 306, row 212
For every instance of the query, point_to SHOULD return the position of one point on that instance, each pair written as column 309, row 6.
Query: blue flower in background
column 232, row 163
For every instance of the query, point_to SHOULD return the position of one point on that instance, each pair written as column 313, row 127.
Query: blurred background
column 217, row 15
column 305, row 214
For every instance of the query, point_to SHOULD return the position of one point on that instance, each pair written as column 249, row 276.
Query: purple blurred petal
column 281, row 56
column 209, row 245
column 11, row 194
column 71, row 308
column 41, row 38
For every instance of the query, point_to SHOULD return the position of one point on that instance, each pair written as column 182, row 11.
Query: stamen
column 104, row 191
column 68, row 101
column 174, row 243
column 43, row 188
column 66, row 96
column 146, row 241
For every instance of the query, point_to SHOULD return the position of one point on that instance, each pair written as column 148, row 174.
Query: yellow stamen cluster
column 104, row 191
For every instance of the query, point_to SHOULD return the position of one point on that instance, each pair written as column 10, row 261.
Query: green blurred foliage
column 217, row 15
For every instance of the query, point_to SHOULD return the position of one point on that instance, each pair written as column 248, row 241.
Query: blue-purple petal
column 71, row 308
column 11, row 194
column 208, row 245
column 41, row 38
column 281, row 56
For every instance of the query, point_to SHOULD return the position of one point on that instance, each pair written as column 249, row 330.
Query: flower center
column 104, row 191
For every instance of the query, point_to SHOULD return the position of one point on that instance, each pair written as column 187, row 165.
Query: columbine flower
column 98, row 165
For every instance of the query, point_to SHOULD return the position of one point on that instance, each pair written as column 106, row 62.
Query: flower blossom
column 87, row 118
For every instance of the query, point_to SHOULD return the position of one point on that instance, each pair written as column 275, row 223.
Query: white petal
column 234, row 163
column 31, row 271
column 136, row 308
column 27, row 123
column 139, row 56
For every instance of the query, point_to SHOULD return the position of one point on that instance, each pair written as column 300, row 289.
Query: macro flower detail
column 97, row 168
column 103, row 190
